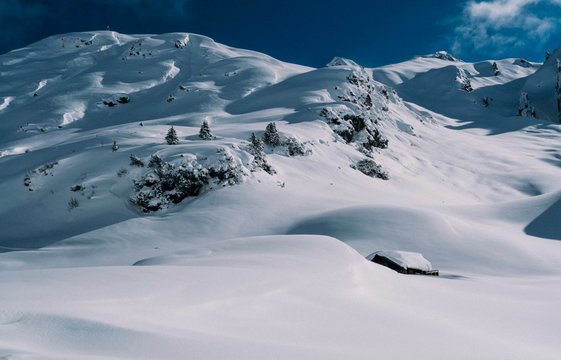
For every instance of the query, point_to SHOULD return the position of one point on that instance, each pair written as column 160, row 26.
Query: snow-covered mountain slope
column 208, row 247
column 484, row 93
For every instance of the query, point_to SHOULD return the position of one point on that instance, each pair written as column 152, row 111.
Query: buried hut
column 403, row 262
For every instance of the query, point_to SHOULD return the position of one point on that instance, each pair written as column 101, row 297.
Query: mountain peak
column 341, row 61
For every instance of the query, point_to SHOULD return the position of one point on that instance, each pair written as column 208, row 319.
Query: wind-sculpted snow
column 246, row 192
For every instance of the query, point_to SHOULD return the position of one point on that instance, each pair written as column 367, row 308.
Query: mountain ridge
column 252, row 236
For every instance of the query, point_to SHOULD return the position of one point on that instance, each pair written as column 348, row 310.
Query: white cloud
column 500, row 25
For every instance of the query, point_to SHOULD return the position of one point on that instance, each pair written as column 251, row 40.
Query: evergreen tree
column 271, row 135
column 256, row 149
column 496, row 70
column 115, row 147
column 256, row 145
column 204, row 132
column 171, row 137
column 524, row 106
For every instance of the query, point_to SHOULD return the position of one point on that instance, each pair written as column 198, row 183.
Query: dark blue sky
column 305, row 31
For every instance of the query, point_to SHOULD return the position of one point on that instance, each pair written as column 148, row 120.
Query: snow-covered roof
column 405, row 259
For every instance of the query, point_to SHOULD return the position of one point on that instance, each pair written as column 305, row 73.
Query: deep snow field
column 272, row 265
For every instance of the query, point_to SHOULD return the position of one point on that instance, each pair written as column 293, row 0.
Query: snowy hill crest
column 220, row 203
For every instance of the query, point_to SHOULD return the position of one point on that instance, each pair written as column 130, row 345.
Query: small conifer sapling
column 204, row 132
column 271, row 136
column 171, row 137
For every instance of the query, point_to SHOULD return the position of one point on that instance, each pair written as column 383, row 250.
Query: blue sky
column 309, row 32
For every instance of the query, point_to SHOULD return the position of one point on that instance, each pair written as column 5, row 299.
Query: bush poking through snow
column 136, row 161
column 77, row 188
column 168, row 183
column 370, row 168
column 122, row 172
column 123, row 100
column 204, row 132
column 271, row 136
column 155, row 161
column 496, row 70
column 115, row 147
column 295, row 148
column 171, row 137
column 227, row 169
column 73, row 203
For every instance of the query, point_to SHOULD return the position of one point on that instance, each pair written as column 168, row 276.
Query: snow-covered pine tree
column 496, row 70
column 524, row 107
column 204, row 132
column 255, row 145
column 271, row 136
column 256, row 149
column 171, row 137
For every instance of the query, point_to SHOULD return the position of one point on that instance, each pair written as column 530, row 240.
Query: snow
column 274, row 266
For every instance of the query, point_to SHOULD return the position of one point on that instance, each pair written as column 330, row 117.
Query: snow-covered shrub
column 271, row 136
column 47, row 169
column 115, row 147
column 171, row 137
column 227, row 168
column 496, row 70
column 295, row 148
column 155, row 161
column 279, row 144
column 168, row 183
column 204, row 132
column 73, row 203
column 123, row 100
column 370, row 168
column 256, row 148
column 27, row 181
column 77, row 188
column 524, row 106
column 136, row 161
column 179, row 44
column 122, row 172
